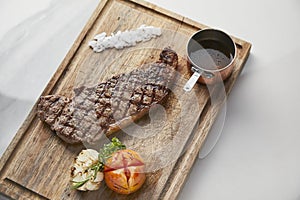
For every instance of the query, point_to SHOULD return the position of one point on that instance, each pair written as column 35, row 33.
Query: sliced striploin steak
column 105, row 108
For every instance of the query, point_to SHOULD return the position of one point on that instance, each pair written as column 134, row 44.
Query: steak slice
column 111, row 105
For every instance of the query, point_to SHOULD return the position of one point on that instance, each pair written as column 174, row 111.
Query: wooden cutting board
column 36, row 164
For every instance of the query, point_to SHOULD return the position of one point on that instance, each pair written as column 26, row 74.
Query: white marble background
column 257, row 156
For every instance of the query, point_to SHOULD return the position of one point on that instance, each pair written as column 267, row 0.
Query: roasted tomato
column 124, row 171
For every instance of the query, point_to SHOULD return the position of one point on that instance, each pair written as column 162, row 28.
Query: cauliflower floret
column 85, row 174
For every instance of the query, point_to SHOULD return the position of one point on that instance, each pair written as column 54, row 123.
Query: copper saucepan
column 211, row 54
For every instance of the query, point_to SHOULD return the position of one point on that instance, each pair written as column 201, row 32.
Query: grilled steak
column 105, row 108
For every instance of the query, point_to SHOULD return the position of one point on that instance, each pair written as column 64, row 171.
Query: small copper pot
column 208, row 39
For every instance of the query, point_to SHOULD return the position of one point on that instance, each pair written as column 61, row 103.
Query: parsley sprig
column 108, row 150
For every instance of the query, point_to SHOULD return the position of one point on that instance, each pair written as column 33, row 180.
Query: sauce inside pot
column 212, row 55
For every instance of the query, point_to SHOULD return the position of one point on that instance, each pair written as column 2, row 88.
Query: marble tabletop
column 257, row 151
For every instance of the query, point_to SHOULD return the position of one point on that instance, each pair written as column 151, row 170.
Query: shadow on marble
column 31, row 52
column 12, row 114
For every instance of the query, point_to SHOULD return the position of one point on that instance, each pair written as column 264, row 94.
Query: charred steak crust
column 105, row 108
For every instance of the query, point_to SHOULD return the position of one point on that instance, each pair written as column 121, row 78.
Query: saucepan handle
column 192, row 81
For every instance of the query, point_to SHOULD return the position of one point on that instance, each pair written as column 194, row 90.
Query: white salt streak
column 124, row 39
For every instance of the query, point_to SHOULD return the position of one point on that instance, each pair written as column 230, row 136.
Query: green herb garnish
column 79, row 184
column 109, row 149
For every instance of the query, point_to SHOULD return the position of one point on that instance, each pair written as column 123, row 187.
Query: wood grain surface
column 37, row 163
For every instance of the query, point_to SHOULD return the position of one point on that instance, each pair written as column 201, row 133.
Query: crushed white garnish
column 84, row 175
column 127, row 38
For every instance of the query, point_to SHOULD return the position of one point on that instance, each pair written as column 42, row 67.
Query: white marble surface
column 257, row 155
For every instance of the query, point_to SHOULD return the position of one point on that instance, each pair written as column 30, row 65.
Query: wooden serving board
column 36, row 165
